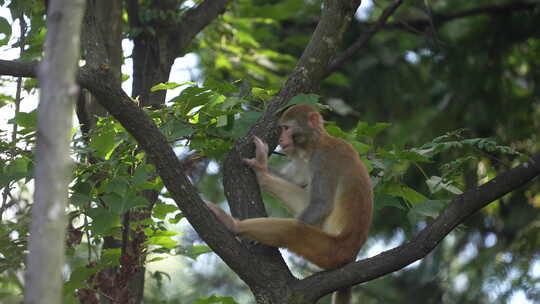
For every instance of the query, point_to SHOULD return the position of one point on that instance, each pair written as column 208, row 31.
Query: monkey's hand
column 259, row 164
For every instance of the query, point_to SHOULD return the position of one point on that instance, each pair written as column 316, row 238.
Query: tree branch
column 360, row 43
column 54, row 167
column 92, row 41
column 426, row 240
column 18, row 68
column 132, row 7
column 236, row 256
column 169, row 168
column 239, row 181
column 196, row 19
column 420, row 24
column 155, row 52
column 241, row 188
column 160, row 153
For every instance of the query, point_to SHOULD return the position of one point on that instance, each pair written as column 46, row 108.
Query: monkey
column 325, row 185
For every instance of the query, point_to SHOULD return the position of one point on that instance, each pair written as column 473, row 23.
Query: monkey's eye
column 284, row 128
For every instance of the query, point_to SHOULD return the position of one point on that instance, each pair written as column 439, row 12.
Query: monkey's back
column 351, row 218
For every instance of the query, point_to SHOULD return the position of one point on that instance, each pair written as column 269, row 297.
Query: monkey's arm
column 322, row 196
column 293, row 197
column 279, row 174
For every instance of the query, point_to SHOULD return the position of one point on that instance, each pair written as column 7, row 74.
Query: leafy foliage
column 478, row 73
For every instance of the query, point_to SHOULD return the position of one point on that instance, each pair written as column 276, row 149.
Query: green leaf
column 5, row 28
column 192, row 97
column 426, row 209
column 78, row 278
column 177, row 218
column 83, row 187
column 310, row 99
column 436, row 184
column 383, row 200
column 180, row 130
column 363, row 129
column 242, row 125
column 105, row 143
column 159, row 232
column 25, row 120
column 140, row 176
column 246, row 38
column 4, row 99
column 262, row 94
column 135, row 201
column 161, row 210
column 281, row 10
column 111, row 257
column 414, row 156
column 399, row 190
column 367, row 162
column 102, row 220
column 18, row 166
column 336, row 131
column 338, row 79
column 68, row 298
column 115, row 202
column 79, row 199
column 223, row 87
column 120, row 204
column 222, row 62
column 211, row 147
column 231, row 102
column 194, row 251
column 163, row 241
column 361, row 148
column 216, row 299
column 412, row 196
column 156, row 259
column 170, row 85
column 221, row 121
column 17, row 169
column 118, row 185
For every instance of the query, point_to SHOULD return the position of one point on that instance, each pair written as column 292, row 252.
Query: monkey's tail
column 342, row 296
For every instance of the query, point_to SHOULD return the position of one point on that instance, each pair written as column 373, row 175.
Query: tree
column 53, row 165
column 115, row 178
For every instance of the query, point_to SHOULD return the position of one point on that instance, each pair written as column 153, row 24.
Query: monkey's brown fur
column 334, row 210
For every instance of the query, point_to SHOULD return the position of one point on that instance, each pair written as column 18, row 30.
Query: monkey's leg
column 318, row 247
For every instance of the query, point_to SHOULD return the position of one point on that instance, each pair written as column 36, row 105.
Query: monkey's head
column 300, row 127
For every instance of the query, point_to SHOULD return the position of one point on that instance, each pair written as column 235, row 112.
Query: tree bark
column 101, row 41
column 53, row 164
column 159, row 42
column 267, row 276
column 247, row 263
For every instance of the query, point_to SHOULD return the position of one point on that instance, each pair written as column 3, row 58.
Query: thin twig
column 418, row 25
column 360, row 43
column 13, row 149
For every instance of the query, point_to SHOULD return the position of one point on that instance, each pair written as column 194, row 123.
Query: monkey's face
column 286, row 140
column 294, row 137
column 299, row 126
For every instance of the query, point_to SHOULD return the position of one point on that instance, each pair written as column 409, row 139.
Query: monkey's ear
column 315, row 120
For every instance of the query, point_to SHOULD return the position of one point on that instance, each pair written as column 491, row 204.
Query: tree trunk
column 53, row 164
